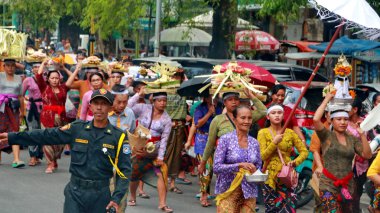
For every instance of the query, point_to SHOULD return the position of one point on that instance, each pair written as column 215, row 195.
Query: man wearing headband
column 97, row 149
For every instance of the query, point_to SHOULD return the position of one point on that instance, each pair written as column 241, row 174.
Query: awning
column 347, row 46
column 183, row 36
column 303, row 46
column 205, row 21
column 309, row 55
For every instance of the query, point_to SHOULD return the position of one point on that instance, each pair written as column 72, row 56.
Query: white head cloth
column 125, row 92
column 274, row 107
column 339, row 114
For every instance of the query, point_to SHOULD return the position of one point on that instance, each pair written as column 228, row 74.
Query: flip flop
column 131, row 203
column 176, row 190
column 205, row 203
column 183, row 181
column 32, row 163
column 166, row 209
column 18, row 164
column 143, row 195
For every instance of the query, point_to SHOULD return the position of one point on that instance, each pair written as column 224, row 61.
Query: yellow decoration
column 342, row 67
column 235, row 183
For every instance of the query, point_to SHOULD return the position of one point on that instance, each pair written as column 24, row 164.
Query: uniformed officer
column 97, row 148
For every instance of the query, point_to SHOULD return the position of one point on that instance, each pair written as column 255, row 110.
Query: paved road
column 31, row 190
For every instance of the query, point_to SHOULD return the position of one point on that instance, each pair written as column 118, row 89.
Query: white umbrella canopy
column 183, row 36
column 353, row 13
column 205, row 20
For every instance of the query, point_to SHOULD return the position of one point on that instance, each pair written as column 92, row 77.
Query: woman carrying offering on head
column 338, row 150
column 96, row 80
column 157, row 120
column 53, row 112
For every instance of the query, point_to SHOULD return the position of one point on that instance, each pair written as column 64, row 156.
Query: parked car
column 289, row 72
column 200, row 66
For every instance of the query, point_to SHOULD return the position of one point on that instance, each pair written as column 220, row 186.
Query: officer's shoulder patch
column 126, row 149
column 108, row 146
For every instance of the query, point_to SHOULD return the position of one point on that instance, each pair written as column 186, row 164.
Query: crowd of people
column 231, row 136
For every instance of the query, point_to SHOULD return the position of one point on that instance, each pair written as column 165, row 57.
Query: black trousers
column 79, row 199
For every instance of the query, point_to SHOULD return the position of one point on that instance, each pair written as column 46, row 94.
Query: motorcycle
column 303, row 192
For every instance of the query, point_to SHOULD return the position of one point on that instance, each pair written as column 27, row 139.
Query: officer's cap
column 102, row 93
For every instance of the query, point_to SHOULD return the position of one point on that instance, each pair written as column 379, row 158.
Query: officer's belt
column 89, row 183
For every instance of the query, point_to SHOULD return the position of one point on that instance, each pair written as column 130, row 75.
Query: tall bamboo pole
column 335, row 36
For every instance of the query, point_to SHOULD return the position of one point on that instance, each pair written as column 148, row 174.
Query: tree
column 37, row 13
column 223, row 30
column 282, row 10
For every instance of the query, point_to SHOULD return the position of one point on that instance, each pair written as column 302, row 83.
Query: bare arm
column 71, row 79
column 318, row 125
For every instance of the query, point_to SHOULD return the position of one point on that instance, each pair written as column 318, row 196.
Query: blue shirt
column 201, row 111
column 127, row 120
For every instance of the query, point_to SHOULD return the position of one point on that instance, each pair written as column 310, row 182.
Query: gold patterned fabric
column 235, row 203
column 269, row 154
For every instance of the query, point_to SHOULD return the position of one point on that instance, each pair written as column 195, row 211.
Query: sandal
column 205, row 203
column 183, row 181
column 49, row 170
column 176, row 190
column 143, row 195
column 131, row 203
column 166, row 209
column 32, row 163
column 18, row 164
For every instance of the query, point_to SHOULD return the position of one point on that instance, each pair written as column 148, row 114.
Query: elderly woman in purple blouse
column 157, row 120
column 237, row 150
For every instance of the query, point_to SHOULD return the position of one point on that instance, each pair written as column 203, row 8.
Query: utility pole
column 157, row 29
column 92, row 37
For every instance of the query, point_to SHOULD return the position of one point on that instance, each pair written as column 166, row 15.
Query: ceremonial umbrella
column 190, row 88
column 259, row 75
column 356, row 14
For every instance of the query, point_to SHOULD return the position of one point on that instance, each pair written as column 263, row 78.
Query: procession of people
column 132, row 132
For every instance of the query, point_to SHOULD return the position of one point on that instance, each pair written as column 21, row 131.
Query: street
column 31, row 190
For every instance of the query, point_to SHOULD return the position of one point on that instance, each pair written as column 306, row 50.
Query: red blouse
column 52, row 104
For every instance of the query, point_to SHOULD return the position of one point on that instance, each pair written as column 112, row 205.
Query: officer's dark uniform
column 90, row 167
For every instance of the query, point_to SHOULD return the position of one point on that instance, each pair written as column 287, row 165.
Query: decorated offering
column 91, row 61
column 12, row 44
column 35, row 56
column 232, row 78
column 343, row 96
column 139, row 139
column 165, row 81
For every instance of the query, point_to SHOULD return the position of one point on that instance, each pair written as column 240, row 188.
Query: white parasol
column 355, row 14
column 352, row 13
column 372, row 119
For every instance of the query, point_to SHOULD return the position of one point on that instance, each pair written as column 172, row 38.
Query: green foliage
column 281, row 10
column 113, row 15
column 375, row 5
column 37, row 13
